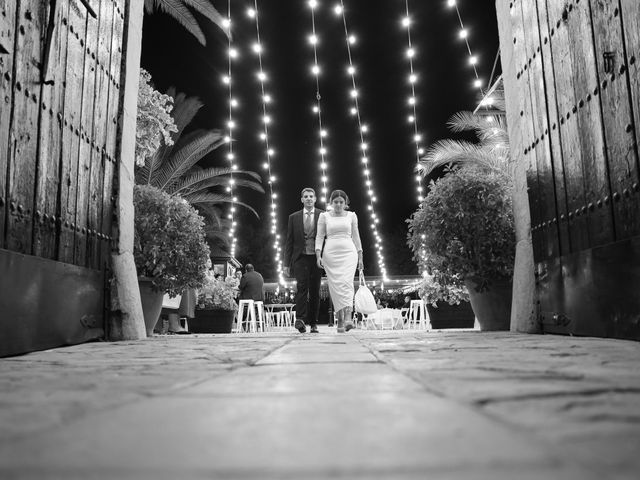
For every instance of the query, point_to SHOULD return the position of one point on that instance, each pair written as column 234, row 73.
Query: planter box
column 212, row 321
column 451, row 316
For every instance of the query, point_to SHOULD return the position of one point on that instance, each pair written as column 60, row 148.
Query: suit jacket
column 294, row 246
column 252, row 286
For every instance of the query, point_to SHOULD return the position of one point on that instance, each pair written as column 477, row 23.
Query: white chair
column 248, row 306
column 418, row 315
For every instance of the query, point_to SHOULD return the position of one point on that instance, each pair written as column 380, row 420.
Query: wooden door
column 60, row 84
column 577, row 96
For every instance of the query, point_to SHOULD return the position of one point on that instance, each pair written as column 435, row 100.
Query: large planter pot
column 451, row 316
column 151, row 304
column 492, row 307
column 212, row 321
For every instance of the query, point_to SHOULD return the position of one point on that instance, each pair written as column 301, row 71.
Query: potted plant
column 463, row 232
column 448, row 305
column 170, row 251
column 216, row 306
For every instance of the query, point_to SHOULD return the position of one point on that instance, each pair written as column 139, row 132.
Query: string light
column 350, row 40
column 413, row 117
column 464, row 35
column 257, row 47
column 317, row 107
column 233, row 103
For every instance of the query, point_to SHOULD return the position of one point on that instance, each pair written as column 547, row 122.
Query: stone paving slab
column 368, row 404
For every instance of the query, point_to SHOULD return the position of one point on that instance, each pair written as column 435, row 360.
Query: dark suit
column 304, row 268
column 252, row 286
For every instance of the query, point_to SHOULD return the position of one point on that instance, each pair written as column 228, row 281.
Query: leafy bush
column 169, row 241
column 432, row 291
column 154, row 121
column 217, row 294
column 464, row 229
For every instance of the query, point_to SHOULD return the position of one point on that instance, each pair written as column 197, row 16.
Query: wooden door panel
column 591, row 136
column 631, row 26
column 71, row 131
column 552, row 133
column 566, row 76
column 83, row 179
column 23, row 133
column 615, row 99
column 524, row 113
column 47, row 219
column 539, row 146
column 7, row 42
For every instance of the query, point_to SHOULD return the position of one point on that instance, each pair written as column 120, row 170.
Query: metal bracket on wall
column 609, row 61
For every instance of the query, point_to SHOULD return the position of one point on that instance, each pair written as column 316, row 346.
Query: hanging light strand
column 232, row 53
column 413, row 118
column 351, row 40
column 264, row 135
column 317, row 108
column 464, row 34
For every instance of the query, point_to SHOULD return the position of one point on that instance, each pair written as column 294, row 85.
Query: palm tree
column 491, row 152
column 174, row 169
column 181, row 11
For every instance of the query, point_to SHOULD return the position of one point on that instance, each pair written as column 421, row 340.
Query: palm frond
column 217, row 236
column 143, row 174
column 189, row 150
column 211, row 214
column 466, row 121
column 197, row 179
column 184, row 110
column 451, row 152
column 181, row 13
column 224, row 181
column 200, row 198
column 208, row 10
column 197, row 175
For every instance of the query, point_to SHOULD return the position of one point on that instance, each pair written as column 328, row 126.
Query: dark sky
column 173, row 57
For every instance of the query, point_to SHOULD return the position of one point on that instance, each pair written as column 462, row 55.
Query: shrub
column 169, row 245
column 154, row 122
column 464, row 229
column 217, row 294
column 432, row 291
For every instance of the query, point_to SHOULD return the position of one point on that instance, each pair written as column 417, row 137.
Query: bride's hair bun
column 339, row 193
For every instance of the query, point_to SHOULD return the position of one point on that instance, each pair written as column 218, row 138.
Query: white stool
column 262, row 321
column 277, row 319
column 418, row 315
column 248, row 306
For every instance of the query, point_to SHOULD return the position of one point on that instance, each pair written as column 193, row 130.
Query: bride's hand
column 360, row 265
column 319, row 262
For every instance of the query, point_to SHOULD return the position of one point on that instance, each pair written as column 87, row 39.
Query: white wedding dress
column 340, row 256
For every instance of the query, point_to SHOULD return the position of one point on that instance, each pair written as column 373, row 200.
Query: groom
column 299, row 255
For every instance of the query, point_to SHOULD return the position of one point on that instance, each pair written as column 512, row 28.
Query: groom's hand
column 286, row 271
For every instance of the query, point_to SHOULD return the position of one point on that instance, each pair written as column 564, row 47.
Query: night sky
column 173, row 57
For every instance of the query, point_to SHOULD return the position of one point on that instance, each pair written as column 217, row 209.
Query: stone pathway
column 364, row 405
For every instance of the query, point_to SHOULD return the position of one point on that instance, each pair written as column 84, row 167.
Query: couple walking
column 308, row 231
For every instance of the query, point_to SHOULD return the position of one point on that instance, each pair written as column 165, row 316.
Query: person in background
column 251, row 285
column 299, row 256
column 342, row 254
column 407, row 302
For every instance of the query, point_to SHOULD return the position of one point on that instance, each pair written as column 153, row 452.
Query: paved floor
column 364, row 405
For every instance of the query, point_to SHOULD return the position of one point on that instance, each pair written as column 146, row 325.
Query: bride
column 342, row 254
